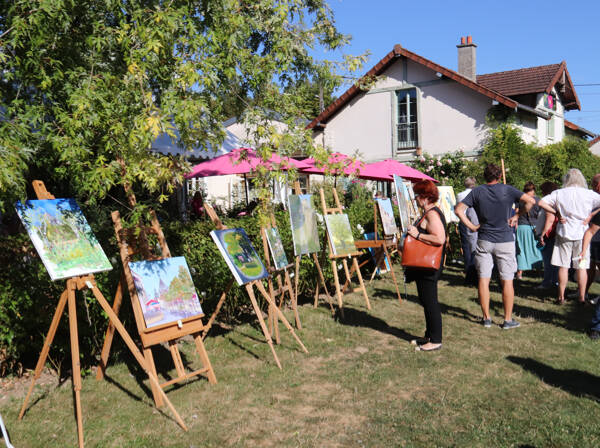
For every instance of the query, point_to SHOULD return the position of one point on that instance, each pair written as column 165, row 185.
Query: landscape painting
column 340, row 234
column 387, row 216
column 447, row 202
column 303, row 220
column 277, row 252
column 413, row 208
column 62, row 237
column 165, row 290
column 239, row 254
column 403, row 200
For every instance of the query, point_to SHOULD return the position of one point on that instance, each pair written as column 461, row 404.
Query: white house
column 416, row 105
column 595, row 146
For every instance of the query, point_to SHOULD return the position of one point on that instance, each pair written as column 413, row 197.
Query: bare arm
column 436, row 235
column 459, row 211
column 587, row 237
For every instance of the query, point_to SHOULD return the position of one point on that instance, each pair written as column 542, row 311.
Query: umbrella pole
column 246, row 187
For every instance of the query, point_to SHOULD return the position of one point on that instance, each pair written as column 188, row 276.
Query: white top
column 463, row 194
column 575, row 205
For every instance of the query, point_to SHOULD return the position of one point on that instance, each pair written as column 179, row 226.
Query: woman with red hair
column 429, row 229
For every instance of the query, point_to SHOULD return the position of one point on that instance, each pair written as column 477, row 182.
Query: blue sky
column 509, row 35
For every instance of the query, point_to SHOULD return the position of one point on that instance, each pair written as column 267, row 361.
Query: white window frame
column 412, row 144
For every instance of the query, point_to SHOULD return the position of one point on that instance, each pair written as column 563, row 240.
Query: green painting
column 239, row 254
column 62, row 237
column 340, row 234
column 277, row 252
column 304, row 224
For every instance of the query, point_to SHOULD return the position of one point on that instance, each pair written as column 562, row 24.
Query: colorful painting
column 340, row 234
column 403, row 200
column 413, row 208
column 165, row 290
column 447, row 202
column 62, row 237
column 303, row 219
column 373, row 252
column 239, row 254
column 387, row 216
column 276, row 246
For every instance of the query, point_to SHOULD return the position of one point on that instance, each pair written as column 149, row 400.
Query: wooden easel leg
column 210, row 373
column 272, row 319
column 348, row 281
column 136, row 353
column 379, row 263
column 110, row 332
column 263, row 291
column 296, row 275
column 261, row 320
column 322, row 278
column 389, row 258
column 362, row 284
column 293, row 299
column 60, row 308
column 217, row 309
column 316, row 298
column 155, row 391
column 179, row 367
column 336, row 279
column 76, row 367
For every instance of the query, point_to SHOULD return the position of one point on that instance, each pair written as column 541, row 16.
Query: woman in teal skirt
column 529, row 255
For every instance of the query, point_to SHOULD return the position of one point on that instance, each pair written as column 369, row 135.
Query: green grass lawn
column 361, row 385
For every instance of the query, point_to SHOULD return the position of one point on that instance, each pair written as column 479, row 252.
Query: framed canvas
column 447, row 202
column 277, row 252
column 165, row 290
column 303, row 221
column 413, row 208
column 240, row 255
column 403, row 200
column 387, row 216
column 378, row 270
column 340, row 234
column 62, row 238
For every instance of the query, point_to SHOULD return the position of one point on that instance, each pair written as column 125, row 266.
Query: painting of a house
column 62, row 237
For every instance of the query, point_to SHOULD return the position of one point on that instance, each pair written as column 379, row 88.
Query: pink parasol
column 385, row 170
column 350, row 166
column 241, row 161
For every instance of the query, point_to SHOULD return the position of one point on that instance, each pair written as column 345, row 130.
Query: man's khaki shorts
column 566, row 254
column 503, row 254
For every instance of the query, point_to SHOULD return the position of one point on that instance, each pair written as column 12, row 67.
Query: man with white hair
column 574, row 203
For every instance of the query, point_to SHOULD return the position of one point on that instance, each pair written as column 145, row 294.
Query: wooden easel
column 315, row 258
column 250, row 290
column 381, row 245
column 283, row 285
column 134, row 242
column 340, row 291
column 69, row 296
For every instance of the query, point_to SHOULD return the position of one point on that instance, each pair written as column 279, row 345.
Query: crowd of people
column 510, row 231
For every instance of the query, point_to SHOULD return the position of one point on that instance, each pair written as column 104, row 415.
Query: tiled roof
column 579, row 129
column 385, row 62
column 538, row 79
column 596, row 140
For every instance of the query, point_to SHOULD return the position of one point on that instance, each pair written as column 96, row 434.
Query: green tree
column 87, row 85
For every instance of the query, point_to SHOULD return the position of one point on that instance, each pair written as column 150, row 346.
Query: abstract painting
column 447, row 202
column 303, row 219
column 62, row 237
column 387, row 216
column 340, row 234
column 165, row 290
column 276, row 246
column 239, row 254
column 403, row 201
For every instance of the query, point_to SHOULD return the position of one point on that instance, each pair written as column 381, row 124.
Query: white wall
column 595, row 148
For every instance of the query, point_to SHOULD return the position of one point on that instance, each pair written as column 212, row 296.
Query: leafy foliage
column 449, row 169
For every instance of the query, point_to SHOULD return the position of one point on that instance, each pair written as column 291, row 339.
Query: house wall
column 450, row 116
column 595, row 148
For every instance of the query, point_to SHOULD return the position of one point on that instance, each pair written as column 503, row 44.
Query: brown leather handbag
column 417, row 254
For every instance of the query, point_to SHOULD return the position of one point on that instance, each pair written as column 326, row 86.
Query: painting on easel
column 340, row 234
column 447, row 202
column 304, row 224
column 240, row 255
column 165, row 290
column 403, row 200
column 62, row 237
column 387, row 216
column 276, row 246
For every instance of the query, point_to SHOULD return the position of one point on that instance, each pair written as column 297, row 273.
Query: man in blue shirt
column 493, row 203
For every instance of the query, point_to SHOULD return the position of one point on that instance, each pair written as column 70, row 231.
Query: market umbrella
column 241, row 161
column 385, row 170
column 350, row 167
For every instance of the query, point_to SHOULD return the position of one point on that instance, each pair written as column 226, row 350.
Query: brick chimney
column 467, row 58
